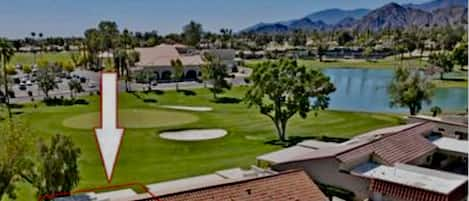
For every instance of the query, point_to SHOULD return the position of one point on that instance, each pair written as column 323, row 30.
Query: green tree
column 344, row 38
column 298, row 38
column 132, row 57
column 109, row 40
column 146, row 77
column 6, row 52
column 11, row 70
column 216, row 74
column 368, row 52
column 410, row 88
column 282, row 89
column 92, row 46
column 77, row 59
column 57, row 168
column 459, row 54
column 15, row 151
column 68, row 66
column 75, row 87
column 435, row 111
column 178, row 74
column 27, row 69
column 322, row 49
column 443, row 61
column 192, row 33
column 46, row 81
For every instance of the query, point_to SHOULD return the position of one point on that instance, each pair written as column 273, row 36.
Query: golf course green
column 133, row 118
column 146, row 158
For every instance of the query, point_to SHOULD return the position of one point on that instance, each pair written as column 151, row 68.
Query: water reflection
column 366, row 90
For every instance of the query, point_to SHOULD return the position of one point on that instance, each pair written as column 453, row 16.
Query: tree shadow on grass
column 155, row 91
column 16, row 106
column 227, row 100
column 64, row 102
column 187, row 92
column 294, row 140
column 291, row 141
column 150, row 100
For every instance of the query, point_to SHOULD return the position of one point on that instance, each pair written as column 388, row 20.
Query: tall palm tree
column 40, row 35
column 33, row 36
column 178, row 71
column 6, row 52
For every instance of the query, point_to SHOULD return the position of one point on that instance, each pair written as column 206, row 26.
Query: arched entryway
column 166, row 75
column 191, row 75
column 157, row 75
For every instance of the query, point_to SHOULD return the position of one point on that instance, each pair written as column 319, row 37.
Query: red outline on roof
column 62, row 194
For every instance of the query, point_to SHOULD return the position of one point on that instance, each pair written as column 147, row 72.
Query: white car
column 29, row 83
column 91, row 85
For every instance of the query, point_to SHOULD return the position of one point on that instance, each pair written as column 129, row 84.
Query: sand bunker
column 188, row 108
column 194, row 134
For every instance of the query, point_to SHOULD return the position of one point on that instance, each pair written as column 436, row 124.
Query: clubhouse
column 158, row 60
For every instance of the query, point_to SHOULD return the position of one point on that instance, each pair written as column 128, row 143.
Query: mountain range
column 392, row 15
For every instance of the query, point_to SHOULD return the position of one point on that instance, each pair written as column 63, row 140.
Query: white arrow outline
column 109, row 134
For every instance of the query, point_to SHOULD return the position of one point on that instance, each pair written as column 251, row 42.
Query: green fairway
column 28, row 58
column 147, row 158
column 389, row 62
column 133, row 118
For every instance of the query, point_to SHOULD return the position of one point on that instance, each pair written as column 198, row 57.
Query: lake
column 366, row 90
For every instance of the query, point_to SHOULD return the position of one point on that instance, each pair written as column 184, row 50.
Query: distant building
column 158, row 60
column 405, row 163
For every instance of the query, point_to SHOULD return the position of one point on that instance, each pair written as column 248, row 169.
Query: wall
column 161, row 69
column 446, row 129
column 327, row 171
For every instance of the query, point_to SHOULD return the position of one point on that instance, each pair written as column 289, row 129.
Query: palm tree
column 40, row 42
column 33, row 35
column 178, row 71
column 75, row 87
column 6, row 52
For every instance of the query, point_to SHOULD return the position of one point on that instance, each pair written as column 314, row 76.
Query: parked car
column 29, row 83
column 16, row 80
column 22, row 86
column 91, row 84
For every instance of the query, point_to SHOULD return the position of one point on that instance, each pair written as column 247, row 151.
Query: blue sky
column 71, row 17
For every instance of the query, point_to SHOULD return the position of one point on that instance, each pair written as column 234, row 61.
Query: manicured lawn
column 133, row 118
column 147, row 158
column 28, row 58
column 389, row 62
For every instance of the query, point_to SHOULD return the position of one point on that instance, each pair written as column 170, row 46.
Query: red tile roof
column 285, row 186
column 401, row 147
column 403, row 192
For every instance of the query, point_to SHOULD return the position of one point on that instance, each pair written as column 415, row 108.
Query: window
column 461, row 135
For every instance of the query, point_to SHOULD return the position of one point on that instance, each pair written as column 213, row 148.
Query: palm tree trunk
column 5, row 84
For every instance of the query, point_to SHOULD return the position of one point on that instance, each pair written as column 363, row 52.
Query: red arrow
column 109, row 135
